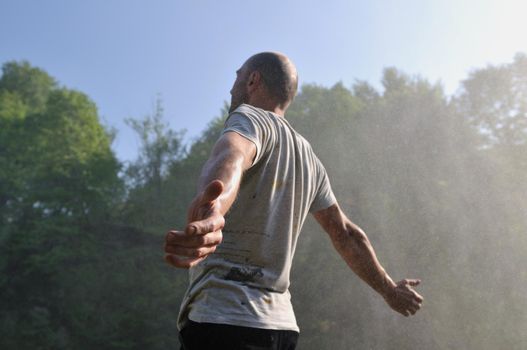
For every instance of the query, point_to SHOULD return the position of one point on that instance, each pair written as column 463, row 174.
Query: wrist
column 388, row 290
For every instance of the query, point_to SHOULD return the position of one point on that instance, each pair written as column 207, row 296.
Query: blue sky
column 123, row 53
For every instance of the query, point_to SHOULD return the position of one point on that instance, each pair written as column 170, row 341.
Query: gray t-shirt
column 245, row 282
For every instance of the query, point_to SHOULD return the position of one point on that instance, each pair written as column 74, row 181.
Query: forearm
column 227, row 167
column 355, row 248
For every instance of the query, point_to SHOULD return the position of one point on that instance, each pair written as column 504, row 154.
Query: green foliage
column 494, row 99
column 54, row 155
column 160, row 148
column 31, row 84
column 58, row 176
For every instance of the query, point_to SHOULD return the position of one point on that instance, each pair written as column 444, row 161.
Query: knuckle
column 201, row 240
column 169, row 237
column 218, row 237
column 198, row 253
column 193, row 228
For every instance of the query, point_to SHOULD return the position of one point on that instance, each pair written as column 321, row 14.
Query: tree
column 58, row 178
column 494, row 99
column 161, row 148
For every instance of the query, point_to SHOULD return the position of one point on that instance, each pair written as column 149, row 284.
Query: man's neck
column 271, row 107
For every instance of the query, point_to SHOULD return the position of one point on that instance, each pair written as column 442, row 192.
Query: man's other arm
column 217, row 189
column 355, row 248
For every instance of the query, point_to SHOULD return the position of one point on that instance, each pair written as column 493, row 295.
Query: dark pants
column 208, row 336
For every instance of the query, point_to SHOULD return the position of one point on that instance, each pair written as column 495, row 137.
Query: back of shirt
column 245, row 282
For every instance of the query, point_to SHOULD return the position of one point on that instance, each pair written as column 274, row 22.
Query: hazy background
column 418, row 110
column 122, row 53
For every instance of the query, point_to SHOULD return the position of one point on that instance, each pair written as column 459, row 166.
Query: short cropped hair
column 276, row 74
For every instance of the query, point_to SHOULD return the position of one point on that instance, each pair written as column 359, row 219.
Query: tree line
column 437, row 182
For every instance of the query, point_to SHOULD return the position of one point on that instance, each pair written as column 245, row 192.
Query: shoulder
column 264, row 122
column 244, row 114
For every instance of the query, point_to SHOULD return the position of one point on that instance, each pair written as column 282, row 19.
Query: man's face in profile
column 239, row 93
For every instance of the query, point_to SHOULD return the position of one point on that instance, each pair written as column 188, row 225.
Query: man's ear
column 254, row 80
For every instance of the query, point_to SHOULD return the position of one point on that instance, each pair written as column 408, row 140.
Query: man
column 254, row 192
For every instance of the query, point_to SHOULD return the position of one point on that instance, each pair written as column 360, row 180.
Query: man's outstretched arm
column 217, row 189
column 355, row 248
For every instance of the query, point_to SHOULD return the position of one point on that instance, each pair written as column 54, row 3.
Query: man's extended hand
column 403, row 298
column 202, row 234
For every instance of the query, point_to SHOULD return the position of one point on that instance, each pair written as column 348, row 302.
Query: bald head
column 278, row 74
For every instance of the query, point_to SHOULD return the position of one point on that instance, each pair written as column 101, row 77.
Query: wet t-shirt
column 245, row 281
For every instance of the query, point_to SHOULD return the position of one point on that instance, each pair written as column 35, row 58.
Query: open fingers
column 179, row 238
column 413, row 294
column 405, row 313
column 409, row 293
column 190, row 252
column 410, row 309
column 184, row 251
column 417, row 296
column 407, row 285
column 411, row 282
column 414, row 307
column 210, row 224
column 407, row 301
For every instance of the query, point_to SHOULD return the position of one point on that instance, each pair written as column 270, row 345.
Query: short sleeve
column 244, row 126
column 324, row 198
